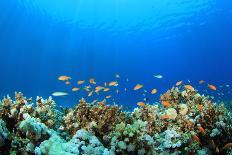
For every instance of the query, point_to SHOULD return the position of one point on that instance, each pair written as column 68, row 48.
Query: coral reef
column 183, row 122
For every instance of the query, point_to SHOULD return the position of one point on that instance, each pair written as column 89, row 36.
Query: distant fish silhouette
column 59, row 94
column 158, row 76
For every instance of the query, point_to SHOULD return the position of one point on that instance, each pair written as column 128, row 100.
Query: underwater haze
column 116, row 77
column 187, row 40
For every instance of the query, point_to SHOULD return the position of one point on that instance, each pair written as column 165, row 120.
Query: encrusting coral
column 183, row 122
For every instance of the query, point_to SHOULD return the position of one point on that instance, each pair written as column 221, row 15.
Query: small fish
column 67, row 83
column 117, row 91
column 227, row 86
column 201, row 130
column 179, row 83
column 86, row 89
column 113, row 83
column 212, row 87
column 141, row 104
column 154, row 91
column 105, row 84
column 165, row 117
column 106, row 89
column 166, row 103
column 127, row 80
column 92, row 81
column 108, row 96
column 138, row 86
column 80, row 82
column 64, row 78
column 158, row 76
column 189, row 81
column 75, row 89
column 201, row 82
column 59, row 94
column 98, row 88
column 196, row 138
column 189, row 87
column 117, row 76
column 200, row 107
column 125, row 89
column 94, row 101
column 90, row 94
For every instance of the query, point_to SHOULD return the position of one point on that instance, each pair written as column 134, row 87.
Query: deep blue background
column 40, row 40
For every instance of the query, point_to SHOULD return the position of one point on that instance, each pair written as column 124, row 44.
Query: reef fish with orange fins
column 179, row 83
column 113, row 83
column 212, row 87
column 92, row 81
column 64, row 78
column 138, row 86
column 75, row 89
column 154, row 91
column 141, row 104
column 201, row 81
column 80, row 82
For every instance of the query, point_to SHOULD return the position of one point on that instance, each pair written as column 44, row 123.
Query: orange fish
column 196, row 138
column 189, row 87
column 92, row 81
column 166, row 103
column 201, row 130
column 75, row 89
column 108, row 96
column 212, row 87
column 98, row 88
column 165, row 117
column 67, row 83
column 201, row 81
column 64, row 78
column 227, row 146
column 113, row 83
column 200, row 107
column 179, row 83
column 138, row 86
column 141, row 104
column 154, row 91
column 106, row 89
column 80, row 82
column 90, row 94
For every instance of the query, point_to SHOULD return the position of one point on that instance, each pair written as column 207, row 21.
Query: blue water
column 182, row 40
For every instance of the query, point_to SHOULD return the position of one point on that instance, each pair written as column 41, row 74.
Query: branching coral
column 185, row 123
column 100, row 119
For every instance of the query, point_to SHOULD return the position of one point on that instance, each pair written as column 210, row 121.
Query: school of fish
column 107, row 89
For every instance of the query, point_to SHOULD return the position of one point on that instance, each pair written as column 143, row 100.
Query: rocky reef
column 183, row 122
